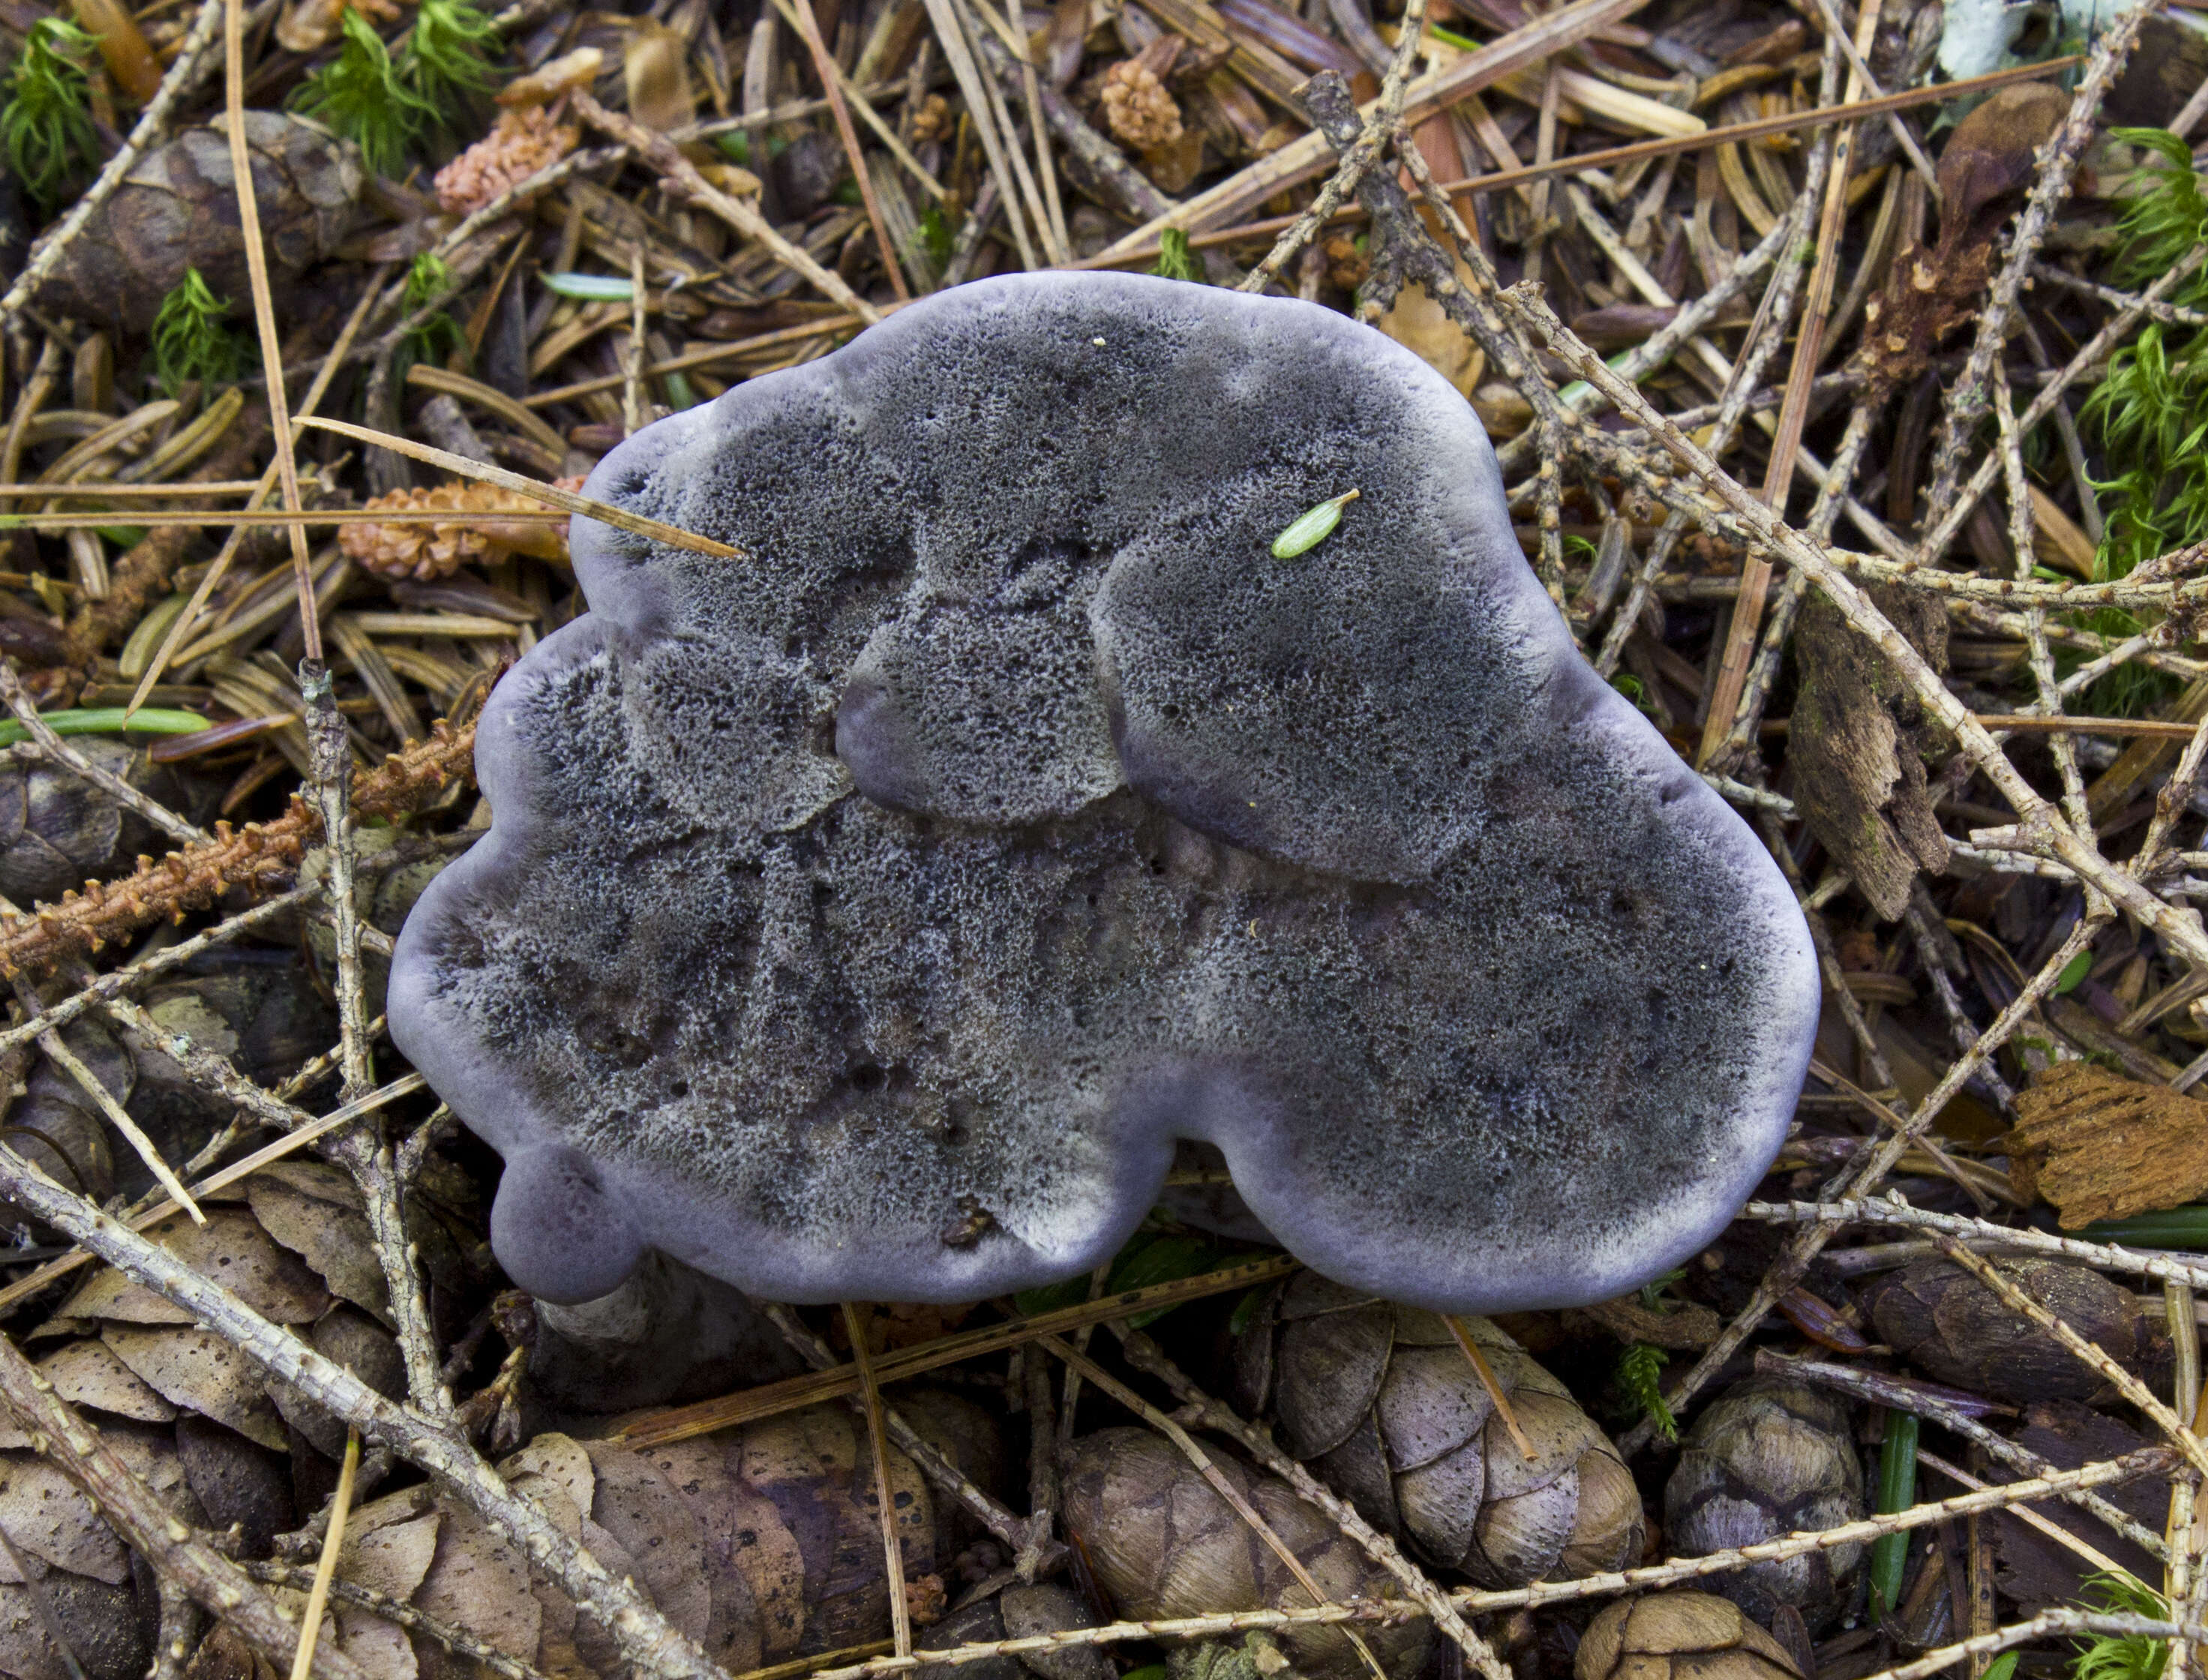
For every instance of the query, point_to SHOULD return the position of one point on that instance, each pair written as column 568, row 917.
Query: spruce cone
column 521, row 143
column 58, row 832
column 177, row 209
column 1011, row 1611
column 476, row 532
column 1381, row 1401
column 1137, row 109
column 1164, row 1544
column 1679, row 1636
column 1952, row 1327
column 1770, row 1457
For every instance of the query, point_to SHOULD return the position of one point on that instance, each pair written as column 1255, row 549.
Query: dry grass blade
column 318, row 1595
column 264, row 310
column 682, row 1423
column 870, row 1396
column 1486, row 1374
column 550, row 494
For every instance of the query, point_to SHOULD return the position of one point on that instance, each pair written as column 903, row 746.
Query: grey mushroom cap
column 866, row 918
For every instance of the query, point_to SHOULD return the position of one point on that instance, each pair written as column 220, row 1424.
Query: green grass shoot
column 193, row 339
column 1897, row 1491
column 45, row 127
column 360, row 96
column 107, row 720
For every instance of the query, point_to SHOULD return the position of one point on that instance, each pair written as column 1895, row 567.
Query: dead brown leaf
column 197, row 1370
column 231, row 1249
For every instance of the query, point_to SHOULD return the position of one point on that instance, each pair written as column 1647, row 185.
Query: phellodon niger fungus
column 866, row 917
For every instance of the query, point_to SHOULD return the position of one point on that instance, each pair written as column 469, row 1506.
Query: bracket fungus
column 866, row 917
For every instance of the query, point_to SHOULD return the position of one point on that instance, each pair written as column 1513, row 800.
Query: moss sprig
column 361, row 96
column 193, row 339
column 1640, row 1370
column 2150, row 411
column 429, row 280
column 45, row 127
column 2122, row 1656
column 446, row 60
column 1176, row 262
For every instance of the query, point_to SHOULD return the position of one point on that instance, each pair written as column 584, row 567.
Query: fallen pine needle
column 462, row 467
column 1487, row 1376
column 318, row 1596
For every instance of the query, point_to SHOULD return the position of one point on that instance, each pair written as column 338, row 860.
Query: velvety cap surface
column 866, row 918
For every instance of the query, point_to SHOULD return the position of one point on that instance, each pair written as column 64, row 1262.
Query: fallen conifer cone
column 1955, row 1329
column 174, row 211
column 1679, row 1636
column 58, row 831
column 761, row 1544
column 2095, row 1145
column 1164, row 1543
column 479, row 529
column 1382, row 1402
column 1004, row 1608
column 1768, row 1458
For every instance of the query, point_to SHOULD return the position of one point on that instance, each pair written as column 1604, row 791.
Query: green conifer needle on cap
column 1312, row 528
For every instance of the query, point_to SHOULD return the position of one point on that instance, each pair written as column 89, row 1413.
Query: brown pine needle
column 892, row 1552
column 318, row 1595
column 685, row 1423
column 264, row 314
column 461, row 467
column 796, row 1667
column 1486, row 1374
column 58, row 1050
column 831, row 84
column 406, row 1085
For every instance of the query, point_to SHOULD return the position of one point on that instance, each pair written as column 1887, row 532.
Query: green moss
column 361, row 96
column 193, row 339
column 445, row 61
column 45, row 127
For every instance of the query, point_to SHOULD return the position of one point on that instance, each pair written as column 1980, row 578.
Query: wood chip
column 2097, row 1145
